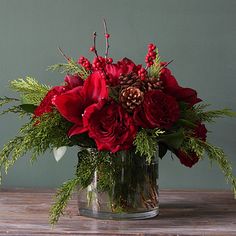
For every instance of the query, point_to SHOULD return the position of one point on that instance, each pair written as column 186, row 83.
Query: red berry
column 92, row 49
column 109, row 60
column 107, row 36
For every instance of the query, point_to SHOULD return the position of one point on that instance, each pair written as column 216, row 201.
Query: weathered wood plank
column 25, row 212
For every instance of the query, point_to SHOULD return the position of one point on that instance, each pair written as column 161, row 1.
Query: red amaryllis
column 172, row 88
column 187, row 95
column 73, row 81
column 157, row 110
column 168, row 80
column 110, row 126
column 73, row 103
column 122, row 67
column 46, row 104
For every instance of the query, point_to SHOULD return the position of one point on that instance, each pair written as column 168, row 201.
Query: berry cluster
column 85, row 63
column 142, row 73
column 151, row 55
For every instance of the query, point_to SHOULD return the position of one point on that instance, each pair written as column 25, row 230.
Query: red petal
column 71, row 105
column 77, row 129
column 73, row 81
column 95, row 88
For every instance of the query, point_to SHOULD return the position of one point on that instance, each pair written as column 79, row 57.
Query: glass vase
column 125, row 187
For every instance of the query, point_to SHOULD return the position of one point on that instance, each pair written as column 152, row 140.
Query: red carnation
column 158, row 110
column 110, row 126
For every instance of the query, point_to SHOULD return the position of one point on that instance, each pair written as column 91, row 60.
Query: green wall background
column 200, row 36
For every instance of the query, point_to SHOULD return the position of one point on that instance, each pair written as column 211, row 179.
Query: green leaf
column 184, row 122
column 28, row 107
column 173, row 140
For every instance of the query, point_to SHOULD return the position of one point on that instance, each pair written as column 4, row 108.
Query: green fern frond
column 31, row 90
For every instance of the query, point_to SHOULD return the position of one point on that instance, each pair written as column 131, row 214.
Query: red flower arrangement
column 141, row 102
column 113, row 107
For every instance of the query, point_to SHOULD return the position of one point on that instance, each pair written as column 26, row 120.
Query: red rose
column 187, row 159
column 110, row 126
column 72, row 104
column 123, row 67
column 157, row 110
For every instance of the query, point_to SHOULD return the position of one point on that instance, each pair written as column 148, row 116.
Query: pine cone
column 130, row 98
column 130, row 80
column 153, row 83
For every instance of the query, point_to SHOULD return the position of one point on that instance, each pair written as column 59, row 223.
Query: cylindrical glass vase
column 125, row 187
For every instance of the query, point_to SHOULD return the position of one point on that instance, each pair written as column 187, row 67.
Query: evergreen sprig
column 217, row 154
column 31, row 91
column 6, row 100
column 71, row 67
column 155, row 69
column 62, row 197
column 146, row 142
column 198, row 113
column 36, row 136
column 200, row 147
column 14, row 109
column 88, row 161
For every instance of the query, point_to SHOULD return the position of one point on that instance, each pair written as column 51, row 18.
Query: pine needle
column 155, row 69
column 62, row 197
column 32, row 91
column 70, row 68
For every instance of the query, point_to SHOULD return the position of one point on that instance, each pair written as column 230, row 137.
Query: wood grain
column 25, row 212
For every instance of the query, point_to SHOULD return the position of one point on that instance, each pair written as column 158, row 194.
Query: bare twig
column 107, row 37
column 63, row 54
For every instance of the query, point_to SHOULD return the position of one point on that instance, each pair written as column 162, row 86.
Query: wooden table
column 25, row 212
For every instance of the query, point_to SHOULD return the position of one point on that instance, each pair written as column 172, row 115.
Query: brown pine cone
column 153, row 83
column 130, row 98
column 129, row 80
